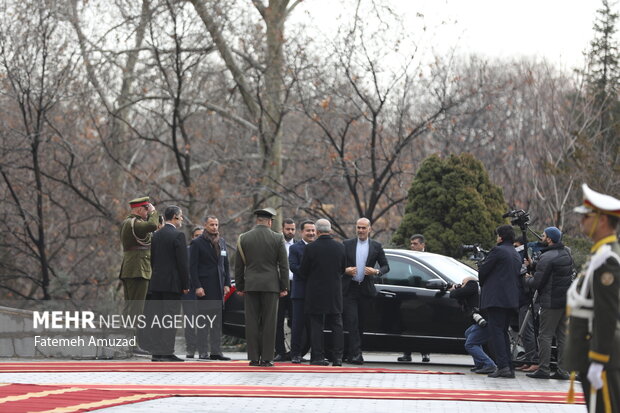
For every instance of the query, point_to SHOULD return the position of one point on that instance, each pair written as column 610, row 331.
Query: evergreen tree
column 600, row 146
column 452, row 202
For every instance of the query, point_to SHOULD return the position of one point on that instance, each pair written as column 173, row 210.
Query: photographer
column 499, row 296
column 477, row 334
column 552, row 277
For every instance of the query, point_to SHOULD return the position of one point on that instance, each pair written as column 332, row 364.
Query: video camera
column 519, row 217
column 477, row 253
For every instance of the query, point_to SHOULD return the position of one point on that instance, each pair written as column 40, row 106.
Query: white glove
column 595, row 375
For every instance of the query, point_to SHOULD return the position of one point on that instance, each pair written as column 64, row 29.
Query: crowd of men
column 323, row 283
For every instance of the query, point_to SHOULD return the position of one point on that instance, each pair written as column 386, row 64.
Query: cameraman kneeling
column 477, row 334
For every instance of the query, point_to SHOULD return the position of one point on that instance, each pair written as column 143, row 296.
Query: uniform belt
column 137, row 248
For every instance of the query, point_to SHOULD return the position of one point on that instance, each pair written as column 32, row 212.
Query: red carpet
column 217, row 367
column 33, row 398
column 82, row 397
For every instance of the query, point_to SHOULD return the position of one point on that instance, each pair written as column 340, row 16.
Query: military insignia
column 607, row 279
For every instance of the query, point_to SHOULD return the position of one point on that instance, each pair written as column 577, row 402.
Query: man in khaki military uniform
column 136, row 232
column 593, row 348
column 261, row 276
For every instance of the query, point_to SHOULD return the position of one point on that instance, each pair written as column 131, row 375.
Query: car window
column 449, row 267
column 406, row 273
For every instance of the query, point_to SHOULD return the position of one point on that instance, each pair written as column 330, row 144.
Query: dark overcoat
column 499, row 277
column 322, row 266
column 209, row 268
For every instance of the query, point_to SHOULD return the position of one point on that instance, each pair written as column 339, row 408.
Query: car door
column 405, row 307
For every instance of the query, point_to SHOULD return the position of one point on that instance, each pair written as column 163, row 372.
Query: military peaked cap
column 596, row 202
column 138, row 202
column 265, row 212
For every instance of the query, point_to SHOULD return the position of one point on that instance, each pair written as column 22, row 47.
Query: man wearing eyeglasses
column 136, row 232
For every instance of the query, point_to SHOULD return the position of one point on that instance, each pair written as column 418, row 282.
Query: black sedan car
column 412, row 310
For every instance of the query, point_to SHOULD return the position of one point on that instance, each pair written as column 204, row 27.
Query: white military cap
column 596, row 202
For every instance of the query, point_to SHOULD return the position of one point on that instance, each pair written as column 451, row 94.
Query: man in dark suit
column 322, row 266
column 261, row 276
column 300, row 331
column 188, row 302
column 358, row 286
column 170, row 279
column 499, row 296
column 285, row 306
column 208, row 257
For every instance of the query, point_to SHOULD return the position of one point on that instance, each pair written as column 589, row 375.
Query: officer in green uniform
column 261, row 276
column 593, row 306
column 136, row 232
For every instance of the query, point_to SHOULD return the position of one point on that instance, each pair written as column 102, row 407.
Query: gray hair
column 323, row 226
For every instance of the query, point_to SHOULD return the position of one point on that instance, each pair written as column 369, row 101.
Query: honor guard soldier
column 593, row 345
column 136, row 232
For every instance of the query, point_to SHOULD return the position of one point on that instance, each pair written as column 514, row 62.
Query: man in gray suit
column 261, row 276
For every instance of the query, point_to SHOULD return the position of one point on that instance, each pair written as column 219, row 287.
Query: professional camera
column 478, row 317
column 477, row 253
column 519, row 217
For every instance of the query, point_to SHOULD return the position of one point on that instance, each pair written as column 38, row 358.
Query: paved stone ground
column 453, row 363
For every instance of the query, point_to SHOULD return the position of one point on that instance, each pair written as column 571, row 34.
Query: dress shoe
column 531, row 368
column 404, row 357
column 426, row 358
column 282, row 357
column 560, row 376
column 157, row 357
column 296, row 359
column 267, row 363
column 255, row 363
column 172, row 357
column 204, row 356
column 356, row 360
column 538, row 374
column 319, row 363
column 140, row 351
column 504, row 373
column 189, row 356
column 337, row 363
column 473, row 369
column 485, row 370
column 219, row 357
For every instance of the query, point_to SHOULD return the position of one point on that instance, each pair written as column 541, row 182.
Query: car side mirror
column 436, row 284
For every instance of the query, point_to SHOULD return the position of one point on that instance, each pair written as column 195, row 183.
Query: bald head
column 362, row 227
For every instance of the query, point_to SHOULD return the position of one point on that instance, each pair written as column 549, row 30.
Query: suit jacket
column 209, row 268
column 137, row 257
column 295, row 254
column 169, row 261
column 322, row 266
column 499, row 277
column 376, row 255
column 264, row 264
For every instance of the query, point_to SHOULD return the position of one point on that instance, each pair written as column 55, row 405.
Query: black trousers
column 301, row 331
column 284, row 309
column 498, row 325
column 188, row 302
column 354, row 304
column 602, row 402
column 334, row 323
column 160, row 309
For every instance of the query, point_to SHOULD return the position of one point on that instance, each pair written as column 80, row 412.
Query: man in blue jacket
column 301, row 323
column 499, row 278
